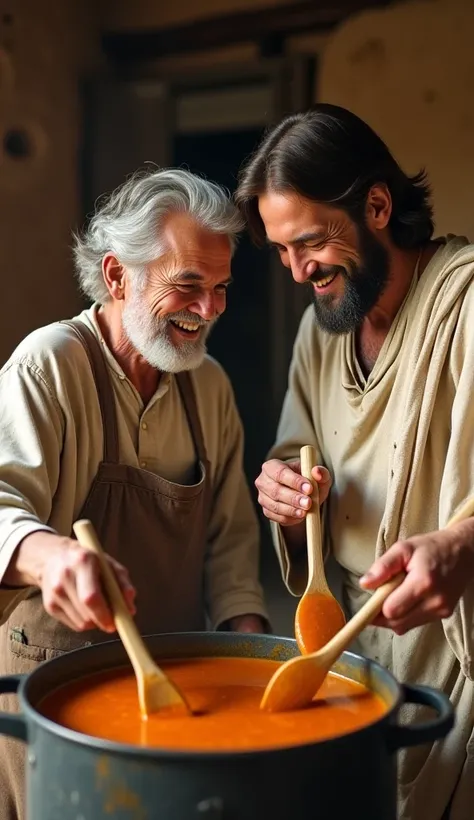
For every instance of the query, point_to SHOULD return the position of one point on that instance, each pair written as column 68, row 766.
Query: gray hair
column 127, row 222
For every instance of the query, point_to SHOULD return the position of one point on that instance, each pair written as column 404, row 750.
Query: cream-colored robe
column 400, row 448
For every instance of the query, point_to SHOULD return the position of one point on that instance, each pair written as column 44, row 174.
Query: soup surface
column 225, row 693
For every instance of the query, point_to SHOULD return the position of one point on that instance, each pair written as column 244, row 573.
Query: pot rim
column 157, row 752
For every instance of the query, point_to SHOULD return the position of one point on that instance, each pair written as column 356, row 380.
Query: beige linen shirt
column 51, row 444
column 400, row 448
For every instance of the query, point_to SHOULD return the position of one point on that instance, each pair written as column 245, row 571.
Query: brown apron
column 155, row 528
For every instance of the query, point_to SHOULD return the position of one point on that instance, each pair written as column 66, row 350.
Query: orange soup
column 318, row 618
column 225, row 694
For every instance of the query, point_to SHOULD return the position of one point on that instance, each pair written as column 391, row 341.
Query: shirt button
column 144, row 425
column 143, row 464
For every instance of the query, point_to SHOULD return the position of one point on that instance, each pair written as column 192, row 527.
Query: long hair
column 329, row 155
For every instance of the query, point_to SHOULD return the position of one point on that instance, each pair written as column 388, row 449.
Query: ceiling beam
column 261, row 26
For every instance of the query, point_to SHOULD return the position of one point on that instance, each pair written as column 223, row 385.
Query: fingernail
column 305, row 502
column 299, row 513
column 306, row 488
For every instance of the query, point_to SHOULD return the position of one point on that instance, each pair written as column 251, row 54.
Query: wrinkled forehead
column 290, row 218
column 182, row 234
column 191, row 252
column 191, row 255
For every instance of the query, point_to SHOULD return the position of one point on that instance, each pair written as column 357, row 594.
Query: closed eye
column 189, row 288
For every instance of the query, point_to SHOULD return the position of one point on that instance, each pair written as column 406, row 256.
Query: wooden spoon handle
column 125, row 625
column 316, row 573
column 86, row 534
column 465, row 511
column 362, row 618
column 372, row 607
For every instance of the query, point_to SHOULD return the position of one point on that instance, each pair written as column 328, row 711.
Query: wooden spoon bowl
column 296, row 683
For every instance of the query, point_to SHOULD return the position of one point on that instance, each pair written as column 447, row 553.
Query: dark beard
column 363, row 287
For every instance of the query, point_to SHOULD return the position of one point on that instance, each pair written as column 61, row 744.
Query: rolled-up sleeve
column 31, row 431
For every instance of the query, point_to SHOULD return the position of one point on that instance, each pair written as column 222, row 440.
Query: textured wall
column 44, row 50
column 409, row 71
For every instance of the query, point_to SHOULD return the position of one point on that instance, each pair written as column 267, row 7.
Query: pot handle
column 399, row 737
column 12, row 725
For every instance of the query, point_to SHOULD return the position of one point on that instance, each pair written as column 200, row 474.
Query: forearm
column 27, row 563
column 68, row 575
column 463, row 533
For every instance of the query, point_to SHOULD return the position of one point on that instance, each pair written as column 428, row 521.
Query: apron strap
column 107, row 399
column 105, row 391
column 188, row 396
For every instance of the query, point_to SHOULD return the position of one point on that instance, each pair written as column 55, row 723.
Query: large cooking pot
column 71, row 776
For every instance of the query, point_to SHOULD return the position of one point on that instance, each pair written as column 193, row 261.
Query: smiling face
column 169, row 318
column 344, row 262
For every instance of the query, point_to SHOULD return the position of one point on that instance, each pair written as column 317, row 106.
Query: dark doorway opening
column 241, row 339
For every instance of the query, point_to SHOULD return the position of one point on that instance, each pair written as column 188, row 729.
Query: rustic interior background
column 91, row 90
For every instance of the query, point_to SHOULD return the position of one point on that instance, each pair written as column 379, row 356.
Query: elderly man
column 119, row 416
column 381, row 384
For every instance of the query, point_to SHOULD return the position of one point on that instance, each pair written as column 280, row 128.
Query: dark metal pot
column 76, row 777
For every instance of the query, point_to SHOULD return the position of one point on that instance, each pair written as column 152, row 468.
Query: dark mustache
column 326, row 270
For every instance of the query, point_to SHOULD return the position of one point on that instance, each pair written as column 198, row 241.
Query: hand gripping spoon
column 155, row 690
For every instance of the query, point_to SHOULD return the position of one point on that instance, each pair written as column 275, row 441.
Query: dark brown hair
column 329, row 155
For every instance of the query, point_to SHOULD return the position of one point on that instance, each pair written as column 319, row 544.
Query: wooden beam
column 261, row 26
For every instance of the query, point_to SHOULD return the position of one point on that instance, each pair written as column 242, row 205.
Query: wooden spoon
column 318, row 616
column 155, row 690
column 296, row 682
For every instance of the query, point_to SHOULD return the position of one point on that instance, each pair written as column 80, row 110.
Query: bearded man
column 381, row 383
column 119, row 416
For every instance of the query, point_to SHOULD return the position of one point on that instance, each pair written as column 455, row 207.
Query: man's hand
column 439, row 566
column 284, row 495
column 248, row 623
column 69, row 578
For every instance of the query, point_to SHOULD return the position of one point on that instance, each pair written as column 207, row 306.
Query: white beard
column 150, row 335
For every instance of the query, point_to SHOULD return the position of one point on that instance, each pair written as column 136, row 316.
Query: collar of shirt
column 89, row 317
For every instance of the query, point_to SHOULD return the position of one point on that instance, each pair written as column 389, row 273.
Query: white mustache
column 192, row 318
